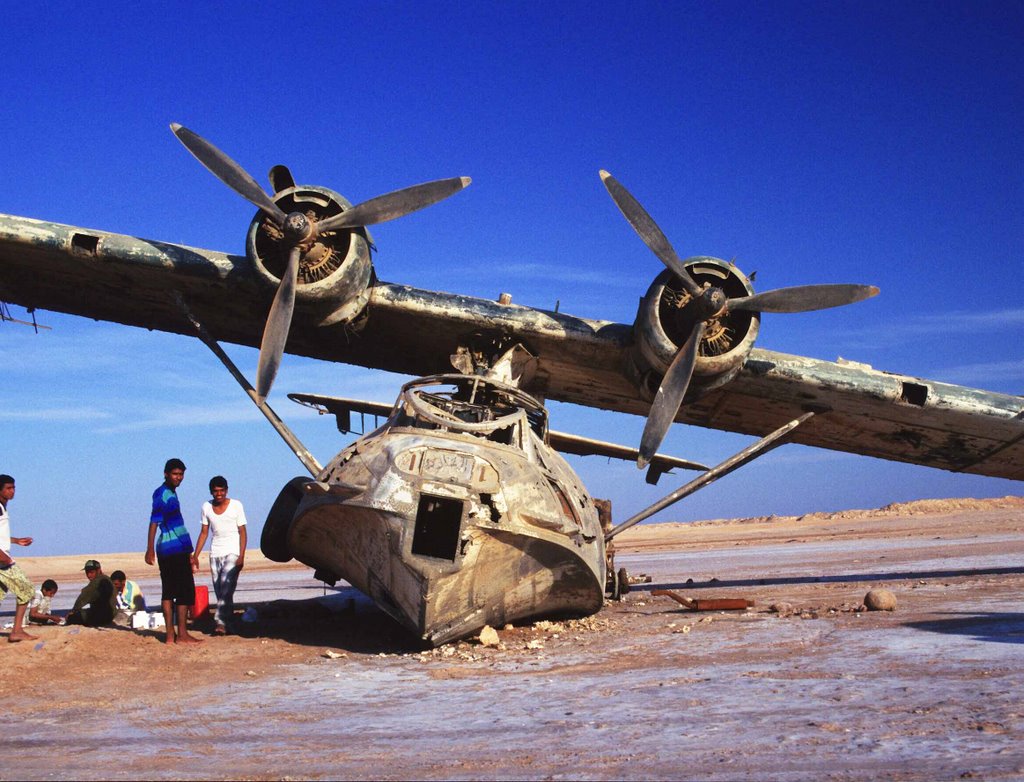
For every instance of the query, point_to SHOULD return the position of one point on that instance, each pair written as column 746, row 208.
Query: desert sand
column 803, row 685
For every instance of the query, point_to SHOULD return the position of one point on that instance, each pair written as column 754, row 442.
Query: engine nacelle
column 660, row 329
column 335, row 272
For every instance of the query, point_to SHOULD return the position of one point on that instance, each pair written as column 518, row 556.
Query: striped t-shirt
column 173, row 537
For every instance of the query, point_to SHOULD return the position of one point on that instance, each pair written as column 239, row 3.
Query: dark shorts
column 176, row 581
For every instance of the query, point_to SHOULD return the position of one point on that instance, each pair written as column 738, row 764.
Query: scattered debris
column 706, row 604
column 332, row 655
column 536, row 643
column 880, row 600
column 489, row 636
column 640, row 578
column 782, row 609
column 550, row 627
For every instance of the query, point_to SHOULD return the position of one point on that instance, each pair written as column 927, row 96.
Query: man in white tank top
column 225, row 517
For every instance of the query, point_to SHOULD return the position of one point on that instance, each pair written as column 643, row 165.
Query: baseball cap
column 91, row 564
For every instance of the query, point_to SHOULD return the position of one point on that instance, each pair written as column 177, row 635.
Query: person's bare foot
column 15, row 636
column 185, row 638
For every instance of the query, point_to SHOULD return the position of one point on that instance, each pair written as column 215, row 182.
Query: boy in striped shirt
column 172, row 550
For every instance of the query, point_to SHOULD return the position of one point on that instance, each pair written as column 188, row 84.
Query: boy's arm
column 35, row 613
column 242, row 543
column 200, row 541
column 22, row 541
column 150, row 551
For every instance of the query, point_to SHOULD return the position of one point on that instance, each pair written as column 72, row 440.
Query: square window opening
column 438, row 522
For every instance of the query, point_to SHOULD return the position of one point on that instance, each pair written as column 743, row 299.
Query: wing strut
column 307, row 459
column 745, row 456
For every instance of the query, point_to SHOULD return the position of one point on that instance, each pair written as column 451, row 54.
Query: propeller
column 707, row 302
column 300, row 232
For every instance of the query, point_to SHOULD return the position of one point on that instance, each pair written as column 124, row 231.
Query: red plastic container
column 202, row 604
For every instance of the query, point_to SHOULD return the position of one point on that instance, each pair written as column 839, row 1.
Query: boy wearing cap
column 12, row 579
column 97, row 601
column 173, row 552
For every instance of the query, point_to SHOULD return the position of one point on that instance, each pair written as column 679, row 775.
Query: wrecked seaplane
column 459, row 511
column 455, row 513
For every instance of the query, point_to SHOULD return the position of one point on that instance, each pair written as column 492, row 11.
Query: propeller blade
column 227, row 171
column 395, row 204
column 281, row 178
column 648, row 230
column 803, row 298
column 279, row 321
column 669, row 397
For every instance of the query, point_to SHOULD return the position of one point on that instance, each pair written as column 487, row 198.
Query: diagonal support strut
column 308, row 460
column 745, row 456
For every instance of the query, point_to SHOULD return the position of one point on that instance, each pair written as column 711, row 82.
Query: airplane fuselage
column 450, row 525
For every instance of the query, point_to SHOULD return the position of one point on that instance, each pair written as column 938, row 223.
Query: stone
column 489, row 636
column 880, row 600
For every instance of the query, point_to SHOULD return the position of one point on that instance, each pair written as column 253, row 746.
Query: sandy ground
column 325, row 686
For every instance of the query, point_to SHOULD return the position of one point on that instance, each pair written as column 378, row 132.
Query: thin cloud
column 940, row 324
column 539, row 273
column 985, row 372
column 52, row 414
column 183, row 417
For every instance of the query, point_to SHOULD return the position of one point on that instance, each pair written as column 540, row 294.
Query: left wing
column 599, row 364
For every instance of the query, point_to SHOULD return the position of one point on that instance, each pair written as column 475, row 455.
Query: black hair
column 49, row 584
column 5, row 479
column 118, row 575
column 174, row 464
column 218, row 481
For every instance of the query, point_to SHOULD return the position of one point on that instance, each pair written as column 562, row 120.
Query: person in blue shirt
column 172, row 550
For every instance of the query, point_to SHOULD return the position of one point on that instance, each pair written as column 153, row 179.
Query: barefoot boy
column 173, row 551
column 12, row 579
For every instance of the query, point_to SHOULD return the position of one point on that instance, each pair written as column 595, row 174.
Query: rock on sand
column 880, row 600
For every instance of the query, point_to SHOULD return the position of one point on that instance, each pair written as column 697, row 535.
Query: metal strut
column 308, row 460
column 745, row 456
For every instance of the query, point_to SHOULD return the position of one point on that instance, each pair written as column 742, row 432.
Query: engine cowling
column 661, row 329
column 335, row 271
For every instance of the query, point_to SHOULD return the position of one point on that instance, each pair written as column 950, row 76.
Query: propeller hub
column 712, row 300
column 297, row 228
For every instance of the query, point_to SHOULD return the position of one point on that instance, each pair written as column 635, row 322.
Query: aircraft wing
column 137, row 282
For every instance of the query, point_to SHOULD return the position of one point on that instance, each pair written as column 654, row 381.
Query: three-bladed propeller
column 299, row 233
column 707, row 302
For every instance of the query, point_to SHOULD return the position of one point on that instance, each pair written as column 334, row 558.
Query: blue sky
column 864, row 142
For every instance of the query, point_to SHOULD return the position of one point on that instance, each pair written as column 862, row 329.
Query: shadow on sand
column 344, row 619
column 1002, row 628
